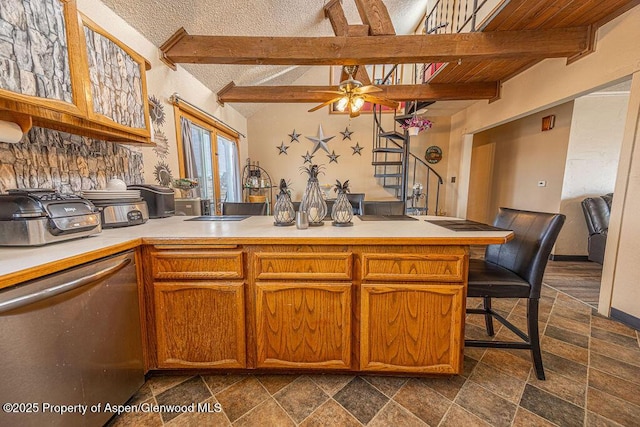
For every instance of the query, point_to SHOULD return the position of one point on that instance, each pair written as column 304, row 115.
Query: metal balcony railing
column 457, row 16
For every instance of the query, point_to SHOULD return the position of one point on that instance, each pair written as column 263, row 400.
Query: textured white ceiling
column 159, row 19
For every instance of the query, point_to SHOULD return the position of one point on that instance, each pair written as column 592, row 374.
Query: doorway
column 521, row 166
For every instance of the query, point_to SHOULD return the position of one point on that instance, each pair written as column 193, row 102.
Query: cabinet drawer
column 413, row 267
column 303, row 266
column 197, row 265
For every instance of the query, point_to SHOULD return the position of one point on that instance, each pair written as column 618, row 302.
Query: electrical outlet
column 453, row 179
column 542, row 183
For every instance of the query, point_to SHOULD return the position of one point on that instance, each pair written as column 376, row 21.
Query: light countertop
column 29, row 262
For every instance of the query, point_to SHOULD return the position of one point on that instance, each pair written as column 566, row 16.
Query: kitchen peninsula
column 375, row 297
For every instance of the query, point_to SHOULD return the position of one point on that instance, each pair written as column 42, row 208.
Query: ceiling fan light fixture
column 352, row 95
column 356, row 103
column 342, row 103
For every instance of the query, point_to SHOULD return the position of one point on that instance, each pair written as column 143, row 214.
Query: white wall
column 622, row 257
column 592, row 162
column 522, row 156
column 270, row 126
column 162, row 82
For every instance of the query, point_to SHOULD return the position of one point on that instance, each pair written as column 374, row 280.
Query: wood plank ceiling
column 520, row 15
column 520, row 35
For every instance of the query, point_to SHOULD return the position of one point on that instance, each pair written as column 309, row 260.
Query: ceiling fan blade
column 369, row 89
column 324, row 104
column 382, row 101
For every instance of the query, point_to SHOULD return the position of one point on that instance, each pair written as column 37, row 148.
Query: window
column 208, row 151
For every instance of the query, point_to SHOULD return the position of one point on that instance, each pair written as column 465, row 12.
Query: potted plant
column 185, row 185
column 416, row 124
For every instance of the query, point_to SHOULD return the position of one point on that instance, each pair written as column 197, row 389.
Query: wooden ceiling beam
column 306, row 94
column 375, row 14
column 334, row 12
column 549, row 43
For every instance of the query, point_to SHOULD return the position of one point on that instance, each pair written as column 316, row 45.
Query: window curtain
column 190, row 165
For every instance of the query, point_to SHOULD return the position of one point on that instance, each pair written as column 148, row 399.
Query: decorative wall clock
column 433, row 154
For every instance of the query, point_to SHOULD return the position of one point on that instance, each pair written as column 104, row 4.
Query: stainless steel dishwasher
column 70, row 338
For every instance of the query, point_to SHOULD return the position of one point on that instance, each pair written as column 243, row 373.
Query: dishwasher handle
column 28, row 299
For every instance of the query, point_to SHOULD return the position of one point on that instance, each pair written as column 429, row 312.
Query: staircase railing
column 453, row 16
column 407, row 169
column 457, row 16
column 432, row 178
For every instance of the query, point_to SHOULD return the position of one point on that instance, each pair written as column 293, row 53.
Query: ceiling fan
column 351, row 95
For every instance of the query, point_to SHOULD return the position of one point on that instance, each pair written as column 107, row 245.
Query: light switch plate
column 542, row 183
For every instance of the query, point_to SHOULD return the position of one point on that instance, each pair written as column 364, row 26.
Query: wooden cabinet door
column 412, row 328
column 117, row 88
column 303, row 325
column 200, row 324
column 40, row 69
column 51, row 77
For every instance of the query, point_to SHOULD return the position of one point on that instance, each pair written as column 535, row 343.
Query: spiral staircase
column 401, row 172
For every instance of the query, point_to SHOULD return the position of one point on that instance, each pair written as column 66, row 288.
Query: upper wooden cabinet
column 117, row 87
column 48, row 80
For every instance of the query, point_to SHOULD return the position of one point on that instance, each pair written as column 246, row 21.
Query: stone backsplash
column 68, row 163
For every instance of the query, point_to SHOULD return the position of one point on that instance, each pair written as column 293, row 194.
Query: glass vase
column 283, row 211
column 313, row 203
column 342, row 211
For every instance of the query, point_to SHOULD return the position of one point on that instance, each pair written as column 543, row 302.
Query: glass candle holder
column 283, row 211
column 313, row 203
column 342, row 211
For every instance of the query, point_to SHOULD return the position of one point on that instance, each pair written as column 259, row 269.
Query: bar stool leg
column 534, row 336
column 488, row 319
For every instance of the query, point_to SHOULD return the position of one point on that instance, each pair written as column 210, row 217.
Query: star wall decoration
column 333, row 157
column 283, row 148
column 320, row 141
column 346, row 134
column 357, row 149
column 294, row 136
column 307, row 158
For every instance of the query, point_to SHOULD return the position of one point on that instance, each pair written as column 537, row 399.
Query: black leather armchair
column 596, row 213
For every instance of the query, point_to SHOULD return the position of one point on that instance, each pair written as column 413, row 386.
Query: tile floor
column 581, row 280
column 592, row 367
